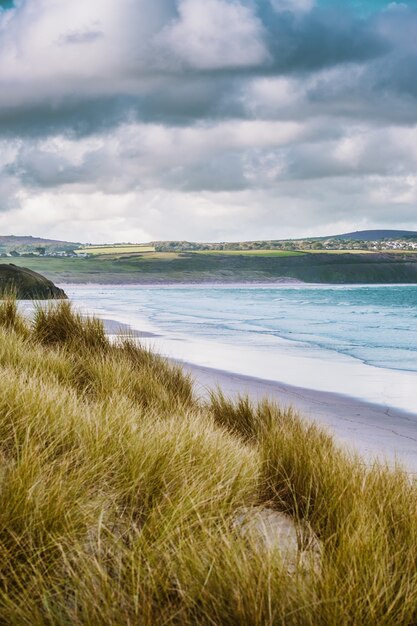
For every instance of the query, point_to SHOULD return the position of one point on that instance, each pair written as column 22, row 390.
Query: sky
column 207, row 120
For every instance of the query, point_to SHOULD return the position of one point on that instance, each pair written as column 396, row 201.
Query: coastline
column 114, row 327
column 373, row 430
column 281, row 281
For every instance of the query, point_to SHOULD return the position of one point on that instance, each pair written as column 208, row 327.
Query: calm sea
column 257, row 330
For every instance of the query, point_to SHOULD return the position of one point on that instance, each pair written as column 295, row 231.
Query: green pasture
column 261, row 253
column 232, row 266
column 122, row 249
column 342, row 251
column 363, row 251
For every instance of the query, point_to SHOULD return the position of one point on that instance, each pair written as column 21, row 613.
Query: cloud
column 205, row 119
column 321, row 39
column 84, row 66
column 80, row 37
column 290, row 167
column 214, row 34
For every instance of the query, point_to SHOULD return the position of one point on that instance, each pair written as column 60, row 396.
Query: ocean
column 359, row 341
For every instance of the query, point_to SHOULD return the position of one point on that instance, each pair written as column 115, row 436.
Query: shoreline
column 213, row 283
column 232, row 283
column 114, row 327
column 375, row 431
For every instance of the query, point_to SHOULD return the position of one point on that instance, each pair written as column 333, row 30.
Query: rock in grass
column 24, row 284
column 297, row 544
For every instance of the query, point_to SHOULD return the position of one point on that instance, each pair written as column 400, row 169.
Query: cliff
column 27, row 284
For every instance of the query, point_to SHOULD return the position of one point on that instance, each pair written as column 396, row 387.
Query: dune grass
column 120, row 490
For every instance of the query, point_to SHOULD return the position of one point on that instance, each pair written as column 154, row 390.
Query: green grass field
column 261, row 253
column 361, row 251
column 340, row 251
column 114, row 250
column 191, row 267
column 123, row 494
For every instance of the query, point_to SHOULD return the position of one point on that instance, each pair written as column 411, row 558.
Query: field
column 126, row 499
column 261, row 253
column 340, row 251
column 191, row 267
column 361, row 251
column 114, row 250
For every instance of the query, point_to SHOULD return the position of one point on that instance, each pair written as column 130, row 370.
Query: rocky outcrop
column 25, row 284
column 297, row 544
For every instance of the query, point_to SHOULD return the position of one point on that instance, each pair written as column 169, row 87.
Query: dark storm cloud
column 175, row 103
column 320, row 39
column 186, row 90
column 75, row 116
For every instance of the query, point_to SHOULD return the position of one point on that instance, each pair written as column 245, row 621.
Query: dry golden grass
column 119, row 493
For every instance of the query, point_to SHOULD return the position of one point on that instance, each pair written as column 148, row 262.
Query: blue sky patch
column 367, row 7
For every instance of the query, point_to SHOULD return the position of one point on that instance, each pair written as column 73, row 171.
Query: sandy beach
column 371, row 429
column 376, row 431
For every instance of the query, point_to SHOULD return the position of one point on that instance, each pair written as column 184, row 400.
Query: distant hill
column 29, row 243
column 29, row 240
column 376, row 235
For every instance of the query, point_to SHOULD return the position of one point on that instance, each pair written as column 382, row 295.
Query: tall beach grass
column 120, row 491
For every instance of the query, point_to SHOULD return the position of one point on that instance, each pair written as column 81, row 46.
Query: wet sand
column 121, row 329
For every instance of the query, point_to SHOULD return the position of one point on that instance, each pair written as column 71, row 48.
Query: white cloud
column 214, row 34
column 52, row 49
column 200, row 119
column 275, row 97
column 301, row 209
column 133, row 185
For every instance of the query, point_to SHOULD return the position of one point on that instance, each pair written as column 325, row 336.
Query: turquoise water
column 376, row 325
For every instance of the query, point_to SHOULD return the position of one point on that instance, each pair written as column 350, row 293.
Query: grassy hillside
column 117, row 249
column 345, row 240
column 123, row 497
column 375, row 235
column 221, row 267
column 29, row 244
column 265, row 253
